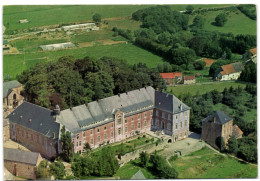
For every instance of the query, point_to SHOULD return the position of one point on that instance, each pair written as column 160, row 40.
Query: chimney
column 56, row 110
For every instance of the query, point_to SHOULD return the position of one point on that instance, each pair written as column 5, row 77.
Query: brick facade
column 34, row 141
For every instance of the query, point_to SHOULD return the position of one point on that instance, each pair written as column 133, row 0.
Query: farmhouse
column 21, row 163
column 90, row 26
column 171, row 78
column 56, row 46
column 189, row 79
column 12, row 94
column 218, row 125
column 101, row 122
column 229, row 72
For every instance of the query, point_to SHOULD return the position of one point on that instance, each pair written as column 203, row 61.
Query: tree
column 220, row 19
column 232, row 145
column 42, row 170
column 57, row 169
column 199, row 65
column 144, row 157
column 189, row 9
column 66, row 145
column 183, row 56
column 198, row 22
column 96, row 17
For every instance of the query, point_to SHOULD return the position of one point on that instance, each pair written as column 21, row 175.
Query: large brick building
column 110, row 119
column 21, row 163
column 216, row 125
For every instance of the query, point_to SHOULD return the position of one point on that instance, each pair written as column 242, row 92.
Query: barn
column 79, row 26
column 56, row 46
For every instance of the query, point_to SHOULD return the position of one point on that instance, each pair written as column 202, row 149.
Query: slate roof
column 171, row 75
column 36, row 118
column 101, row 112
column 221, row 118
column 21, row 156
column 8, row 86
column 138, row 176
column 169, row 103
column 231, row 68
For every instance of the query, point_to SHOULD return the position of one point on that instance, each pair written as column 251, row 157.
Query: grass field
column 236, row 23
column 45, row 15
column 13, row 64
column 202, row 88
column 206, row 164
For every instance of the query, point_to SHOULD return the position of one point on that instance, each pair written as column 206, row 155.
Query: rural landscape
column 130, row 92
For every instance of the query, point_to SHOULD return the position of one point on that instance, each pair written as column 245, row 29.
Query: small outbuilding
column 21, row 163
column 57, row 46
column 23, row 21
column 172, row 77
column 189, row 79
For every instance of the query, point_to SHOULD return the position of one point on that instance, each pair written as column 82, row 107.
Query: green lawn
column 13, row 64
column 237, row 23
column 206, row 164
column 202, row 88
column 43, row 15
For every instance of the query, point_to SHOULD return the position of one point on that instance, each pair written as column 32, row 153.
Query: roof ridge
column 38, row 106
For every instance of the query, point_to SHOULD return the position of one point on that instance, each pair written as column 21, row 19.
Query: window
column 92, row 141
column 139, row 125
column 169, row 116
column 119, row 119
column 157, row 122
column 132, row 127
column 105, row 136
column 145, row 123
column 157, row 113
column 77, row 136
column 176, row 117
column 145, row 114
column 112, row 125
column 125, row 121
column 98, row 139
column 181, row 124
column 163, row 115
column 84, row 134
column 79, row 143
column 112, row 134
column 176, row 126
column 139, row 116
column 119, row 131
column 126, row 129
column 132, row 118
column 91, row 131
column 151, row 113
column 185, row 123
column 98, row 130
column 169, row 126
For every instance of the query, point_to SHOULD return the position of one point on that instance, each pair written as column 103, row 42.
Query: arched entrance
column 169, row 140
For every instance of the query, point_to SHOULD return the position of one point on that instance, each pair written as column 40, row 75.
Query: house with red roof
column 172, row 77
column 229, row 72
column 208, row 62
column 189, row 79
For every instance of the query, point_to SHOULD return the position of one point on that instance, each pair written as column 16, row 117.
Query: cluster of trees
column 244, row 148
column 249, row 10
column 220, row 19
column 104, row 164
column 44, row 170
column 241, row 100
column 249, row 73
column 159, row 166
column 69, row 82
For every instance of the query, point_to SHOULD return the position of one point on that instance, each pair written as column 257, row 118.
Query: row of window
column 98, row 139
column 169, row 124
column 119, row 117
column 28, row 136
column 132, row 127
column 169, row 116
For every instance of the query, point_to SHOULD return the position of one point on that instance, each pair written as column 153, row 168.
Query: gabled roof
column 231, row 68
column 253, row 51
column 219, row 117
column 21, row 156
column 208, row 62
column 101, row 111
column 189, row 77
column 138, row 176
column 8, row 86
column 36, row 118
column 236, row 131
column 169, row 103
column 171, row 75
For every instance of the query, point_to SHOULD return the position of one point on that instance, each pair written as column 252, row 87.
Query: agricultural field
column 45, row 15
column 206, row 164
column 202, row 88
column 236, row 23
column 15, row 64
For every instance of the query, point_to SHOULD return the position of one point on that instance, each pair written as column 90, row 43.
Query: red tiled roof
column 208, row 61
column 189, row 77
column 171, row 75
column 227, row 69
column 253, row 51
column 236, row 131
